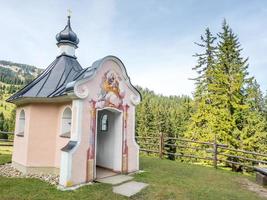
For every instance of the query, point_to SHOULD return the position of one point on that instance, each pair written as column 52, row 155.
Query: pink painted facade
column 91, row 103
column 41, row 137
column 41, row 145
column 72, row 120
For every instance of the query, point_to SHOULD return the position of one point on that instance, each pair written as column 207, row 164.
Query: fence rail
column 210, row 151
column 8, row 141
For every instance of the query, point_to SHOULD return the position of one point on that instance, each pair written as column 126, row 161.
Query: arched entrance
column 108, row 142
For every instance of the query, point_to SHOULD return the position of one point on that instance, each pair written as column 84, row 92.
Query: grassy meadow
column 167, row 180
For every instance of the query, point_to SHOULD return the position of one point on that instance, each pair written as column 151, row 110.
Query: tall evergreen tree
column 265, row 106
column 205, row 64
column 254, row 123
column 229, row 86
column 200, row 126
column 2, row 126
column 228, row 103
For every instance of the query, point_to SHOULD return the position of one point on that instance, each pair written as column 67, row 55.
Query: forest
column 227, row 105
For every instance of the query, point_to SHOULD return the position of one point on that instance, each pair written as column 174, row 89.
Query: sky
column 154, row 39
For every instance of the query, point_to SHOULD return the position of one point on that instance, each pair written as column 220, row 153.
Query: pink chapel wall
column 21, row 143
column 42, row 132
column 79, row 169
column 133, row 148
column 41, row 144
column 60, row 141
column 79, row 161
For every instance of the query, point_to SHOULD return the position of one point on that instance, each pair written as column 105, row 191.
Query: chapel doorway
column 109, row 143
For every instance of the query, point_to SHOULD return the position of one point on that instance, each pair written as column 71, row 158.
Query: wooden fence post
column 215, row 151
column 161, row 145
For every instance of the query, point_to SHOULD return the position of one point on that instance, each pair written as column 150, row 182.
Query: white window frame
column 66, row 119
column 21, row 128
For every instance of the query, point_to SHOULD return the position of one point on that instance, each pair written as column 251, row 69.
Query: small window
column 104, row 123
column 66, row 123
column 21, row 123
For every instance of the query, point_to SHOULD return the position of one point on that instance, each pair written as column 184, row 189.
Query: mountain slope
column 16, row 73
column 13, row 76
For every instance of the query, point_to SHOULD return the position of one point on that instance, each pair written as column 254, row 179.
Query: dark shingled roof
column 59, row 78
column 52, row 81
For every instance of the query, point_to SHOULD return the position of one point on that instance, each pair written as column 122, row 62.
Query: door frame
column 120, row 113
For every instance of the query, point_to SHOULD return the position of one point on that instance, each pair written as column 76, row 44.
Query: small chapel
column 76, row 122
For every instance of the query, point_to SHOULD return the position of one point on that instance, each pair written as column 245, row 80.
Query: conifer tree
column 201, row 121
column 205, row 64
column 228, row 104
column 265, row 106
column 254, row 128
column 229, row 86
column 2, row 126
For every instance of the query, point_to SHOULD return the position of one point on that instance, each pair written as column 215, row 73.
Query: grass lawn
column 167, row 180
column 5, row 158
column 5, row 153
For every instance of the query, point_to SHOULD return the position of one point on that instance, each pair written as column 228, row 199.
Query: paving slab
column 130, row 188
column 115, row 180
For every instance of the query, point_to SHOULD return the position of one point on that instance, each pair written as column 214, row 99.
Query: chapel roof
column 53, row 80
column 63, row 70
column 61, row 75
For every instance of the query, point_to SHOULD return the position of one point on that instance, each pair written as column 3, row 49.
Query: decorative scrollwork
column 135, row 100
column 81, row 91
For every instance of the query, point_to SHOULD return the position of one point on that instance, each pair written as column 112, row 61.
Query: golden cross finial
column 69, row 12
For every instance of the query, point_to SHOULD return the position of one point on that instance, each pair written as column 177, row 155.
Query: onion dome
column 67, row 35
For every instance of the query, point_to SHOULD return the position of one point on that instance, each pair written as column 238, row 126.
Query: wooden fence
column 193, row 150
column 183, row 148
column 6, row 142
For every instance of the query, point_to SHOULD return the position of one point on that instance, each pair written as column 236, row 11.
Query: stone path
column 260, row 190
column 123, row 184
column 129, row 189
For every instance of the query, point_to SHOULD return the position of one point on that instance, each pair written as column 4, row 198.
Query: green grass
column 5, row 158
column 167, row 180
column 5, row 153
column 6, row 149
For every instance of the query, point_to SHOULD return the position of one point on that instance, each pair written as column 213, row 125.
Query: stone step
column 115, row 180
column 130, row 188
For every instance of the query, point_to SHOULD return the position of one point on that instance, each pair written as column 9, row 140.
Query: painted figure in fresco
column 111, row 92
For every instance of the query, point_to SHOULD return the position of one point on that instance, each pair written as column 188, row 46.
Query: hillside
column 13, row 76
column 16, row 73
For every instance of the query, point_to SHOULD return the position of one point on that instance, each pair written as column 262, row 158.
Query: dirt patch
column 260, row 190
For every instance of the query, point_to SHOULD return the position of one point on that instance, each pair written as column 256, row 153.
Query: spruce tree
column 200, row 127
column 265, row 106
column 229, row 105
column 229, row 87
column 205, row 64
column 2, row 126
column 254, row 123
